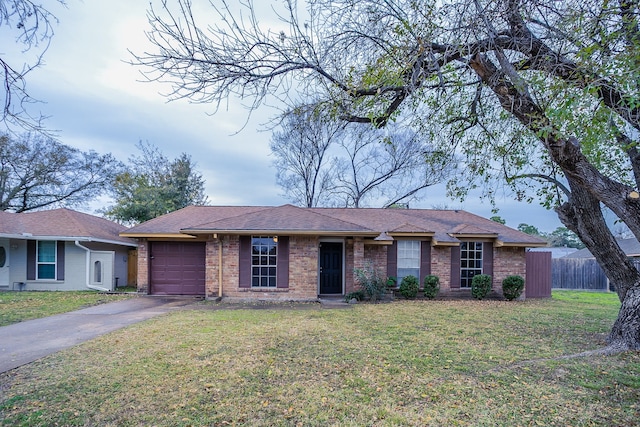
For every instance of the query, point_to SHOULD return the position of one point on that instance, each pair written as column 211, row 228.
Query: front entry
column 330, row 268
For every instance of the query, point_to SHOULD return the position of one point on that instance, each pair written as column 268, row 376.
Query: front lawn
column 408, row 363
column 20, row 306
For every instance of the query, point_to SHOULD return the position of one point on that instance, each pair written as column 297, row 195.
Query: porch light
column 275, row 239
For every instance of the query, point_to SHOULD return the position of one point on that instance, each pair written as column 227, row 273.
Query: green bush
column 480, row 286
column 372, row 282
column 512, row 287
column 431, row 286
column 358, row 295
column 409, row 287
column 392, row 282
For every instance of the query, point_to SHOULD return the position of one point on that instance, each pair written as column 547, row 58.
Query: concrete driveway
column 24, row 342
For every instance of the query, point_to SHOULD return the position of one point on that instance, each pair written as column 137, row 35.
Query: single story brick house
column 294, row 253
column 62, row 250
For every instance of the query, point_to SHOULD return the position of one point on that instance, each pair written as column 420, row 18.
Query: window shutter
column 31, row 260
column 455, row 267
column 392, row 260
column 487, row 258
column 282, row 279
column 425, row 260
column 60, row 260
column 244, row 262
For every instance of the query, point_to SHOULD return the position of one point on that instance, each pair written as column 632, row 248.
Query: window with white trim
column 408, row 259
column 470, row 262
column 46, row 259
column 264, row 254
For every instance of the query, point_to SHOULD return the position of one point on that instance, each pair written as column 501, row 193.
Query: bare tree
column 37, row 172
column 30, row 25
column 548, row 89
column 300, row 148
column 388, row 165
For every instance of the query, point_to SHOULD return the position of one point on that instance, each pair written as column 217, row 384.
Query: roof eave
column 245, row 232
column 157, row 235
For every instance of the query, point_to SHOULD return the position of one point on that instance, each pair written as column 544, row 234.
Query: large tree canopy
column 37, row 172
column 153, row 185
column 531, row 92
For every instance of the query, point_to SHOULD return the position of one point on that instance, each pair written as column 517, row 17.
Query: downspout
column 88, row 270
column 219, row 267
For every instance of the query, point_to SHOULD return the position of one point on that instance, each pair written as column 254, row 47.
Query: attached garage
column 177, row 268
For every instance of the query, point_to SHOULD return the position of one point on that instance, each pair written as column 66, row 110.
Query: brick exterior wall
column 143, row 266
column 508, row 261
column 441, row 266
column 303, row 267
column 303, row 271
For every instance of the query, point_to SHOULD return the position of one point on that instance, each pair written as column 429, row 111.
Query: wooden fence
column 538, row 283
column 580, row 273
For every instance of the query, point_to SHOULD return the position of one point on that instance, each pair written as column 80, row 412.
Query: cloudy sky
column 96, row 101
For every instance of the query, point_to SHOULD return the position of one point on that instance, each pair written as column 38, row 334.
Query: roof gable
column 282, row 218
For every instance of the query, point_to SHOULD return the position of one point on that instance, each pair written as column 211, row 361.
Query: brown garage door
column 177, row 268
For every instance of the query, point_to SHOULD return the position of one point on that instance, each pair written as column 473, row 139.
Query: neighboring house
column 630, row 247
column 61, row 250
column 556, row 252
column 294, row 253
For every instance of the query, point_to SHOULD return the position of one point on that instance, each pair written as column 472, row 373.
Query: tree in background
column 560, row 237
column 30, row 25
column 38, row 172
column 542, row 95
column 389, row 165
column 321, row 161
column 153, row 186
column 302, row 163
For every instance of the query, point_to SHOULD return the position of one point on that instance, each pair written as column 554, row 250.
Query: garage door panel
column 177, row 268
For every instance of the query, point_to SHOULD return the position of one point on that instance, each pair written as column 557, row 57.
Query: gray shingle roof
column 62, row 224
column 443, row 225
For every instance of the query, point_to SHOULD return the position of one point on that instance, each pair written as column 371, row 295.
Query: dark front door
column 330, row 268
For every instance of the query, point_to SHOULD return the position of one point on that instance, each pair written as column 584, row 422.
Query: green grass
column 20, row 306
column 408, row 363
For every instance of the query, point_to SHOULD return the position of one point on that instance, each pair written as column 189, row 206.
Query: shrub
column 480, row 286
column 358, row 295
column 392, row 282
column 409, row 287
column 372, row 282
column 512, row 287
column 431, row 286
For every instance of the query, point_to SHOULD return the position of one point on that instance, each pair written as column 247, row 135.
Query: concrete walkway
column 24, row 342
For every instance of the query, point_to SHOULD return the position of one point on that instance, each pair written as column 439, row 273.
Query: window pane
column 47, row 251
column 408, row 259
column 470, row 262
column 264, row 259
column 46, row 271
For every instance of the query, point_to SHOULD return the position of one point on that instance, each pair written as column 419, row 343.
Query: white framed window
column 470, row 262
column 264, row 255
column 408, row 259
column 46, row 259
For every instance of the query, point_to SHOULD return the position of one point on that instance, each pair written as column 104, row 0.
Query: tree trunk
column 582, row 214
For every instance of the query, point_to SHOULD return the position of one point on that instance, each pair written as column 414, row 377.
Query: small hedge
column 480, row 286
column 512, row 287
column 409, row 287
column 431, row 286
